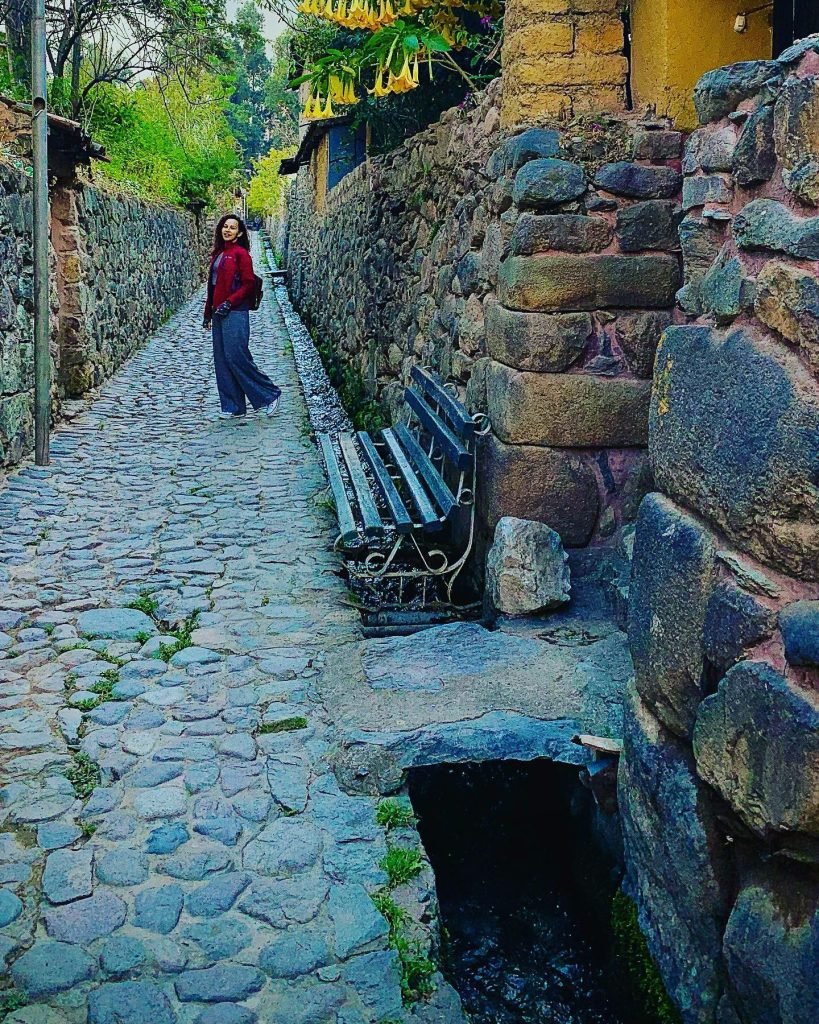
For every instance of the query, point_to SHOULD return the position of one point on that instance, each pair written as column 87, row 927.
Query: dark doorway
column 793, row 19
column 525, row 882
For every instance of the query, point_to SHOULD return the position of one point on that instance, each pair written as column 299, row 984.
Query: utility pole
column 39, row 137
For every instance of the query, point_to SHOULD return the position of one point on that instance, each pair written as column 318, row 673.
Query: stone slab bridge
column 176, row 845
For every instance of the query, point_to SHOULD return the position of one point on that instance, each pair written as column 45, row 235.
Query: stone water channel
column 193, row 826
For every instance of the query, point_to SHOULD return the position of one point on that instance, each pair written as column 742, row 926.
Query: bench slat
column 447, row 441
column 459, row 418
column 398, row 510
column 429, row 519
column 438, row 487
column 344, row 512
column 373, row 527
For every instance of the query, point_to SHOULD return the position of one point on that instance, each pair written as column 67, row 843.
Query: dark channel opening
column 526, row 868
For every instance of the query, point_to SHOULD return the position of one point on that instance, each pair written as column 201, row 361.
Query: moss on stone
column 631, row 949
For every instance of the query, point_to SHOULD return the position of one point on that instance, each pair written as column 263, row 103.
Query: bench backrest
column 442, row 417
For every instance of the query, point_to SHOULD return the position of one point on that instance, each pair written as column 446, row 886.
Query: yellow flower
column 379, row 89
column 415, row 70
column 402, row 82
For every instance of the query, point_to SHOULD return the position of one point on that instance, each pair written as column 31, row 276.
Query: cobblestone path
column 214, row 872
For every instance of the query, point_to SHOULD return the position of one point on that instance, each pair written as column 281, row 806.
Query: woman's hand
column 206, row 324
column 223, row 310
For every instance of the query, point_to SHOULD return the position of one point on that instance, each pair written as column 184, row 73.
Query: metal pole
column 39, row 136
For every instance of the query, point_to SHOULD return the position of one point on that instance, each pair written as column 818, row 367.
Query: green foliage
column 283, row 725
column 416, row 968
column 104, row 686
column 392, row 813
column 11, row 1000
column 84, row 775
column 169, row 142
column 633, row 954
column 142, row 637
column 88, row 829
column 184, row 633
column 145, row 603
column 348, row 381
column 401, row 865
column 266, row 188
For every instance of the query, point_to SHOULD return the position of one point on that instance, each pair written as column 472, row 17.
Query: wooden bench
column 396, row 492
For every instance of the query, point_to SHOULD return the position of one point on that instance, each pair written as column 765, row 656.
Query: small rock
column 217, row 896
column 129, row 1002
column 121, row 954
column 358, row 925
column 10, row 907
column 158, row 909
column 799, row 623
column 67, row 875
column 636, row 181
column 87, row 919
column 51, row 967
column 122, row 867
column 221, row 984
column 115, row 623
column 167, row 838
column 547, row 182
column 527, row 568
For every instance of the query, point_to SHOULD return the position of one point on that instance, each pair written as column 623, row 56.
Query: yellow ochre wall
column 674, row 42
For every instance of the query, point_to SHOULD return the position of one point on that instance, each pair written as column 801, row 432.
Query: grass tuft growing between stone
column 633, row 954
column 11, row 1000
column 401, row 865
column 392, row 813
column 84, row 775
column 283, row 725
column 417, row 969
column 145, row 603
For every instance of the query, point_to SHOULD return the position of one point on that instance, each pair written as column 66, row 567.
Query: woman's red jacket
column 235, row 281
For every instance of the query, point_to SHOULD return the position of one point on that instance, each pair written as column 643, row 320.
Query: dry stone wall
column 538, row 271
column 123, row 267
column 719, row 786
column 118, row 269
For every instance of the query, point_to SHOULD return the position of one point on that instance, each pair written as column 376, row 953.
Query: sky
column 272, row 26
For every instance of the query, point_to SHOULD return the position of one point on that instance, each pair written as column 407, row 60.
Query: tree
column 249, row 112
column 281, row 99
column 266, row 188
column 97, row 42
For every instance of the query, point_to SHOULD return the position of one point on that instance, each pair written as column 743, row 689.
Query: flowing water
column 525, row 892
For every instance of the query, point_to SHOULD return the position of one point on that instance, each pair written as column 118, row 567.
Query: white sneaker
column 231, row 415
column 272, row 409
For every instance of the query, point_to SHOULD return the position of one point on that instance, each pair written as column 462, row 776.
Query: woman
column 231, row 284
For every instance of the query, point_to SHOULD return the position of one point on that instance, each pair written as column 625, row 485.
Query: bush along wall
column 719, row 782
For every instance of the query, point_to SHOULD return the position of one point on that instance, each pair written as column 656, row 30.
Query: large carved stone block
column 553, row 283
column 756, row 740
column 566, row 410
column 671, row 582
column 787, row 299
column 676, row 861
column 544, row 342
column 542, row 484
column 734, row 429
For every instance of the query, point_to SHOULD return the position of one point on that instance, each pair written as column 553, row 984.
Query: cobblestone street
column 213, row 872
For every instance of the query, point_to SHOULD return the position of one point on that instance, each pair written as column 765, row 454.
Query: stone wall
column 123, row 267
column 119, row 268
column 394, row 270
column 719, row 785
column 538, row 271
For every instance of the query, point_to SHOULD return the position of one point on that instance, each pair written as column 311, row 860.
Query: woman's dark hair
column 242, row 238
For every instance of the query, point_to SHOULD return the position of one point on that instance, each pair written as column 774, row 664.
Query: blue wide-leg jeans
column 237, row 376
